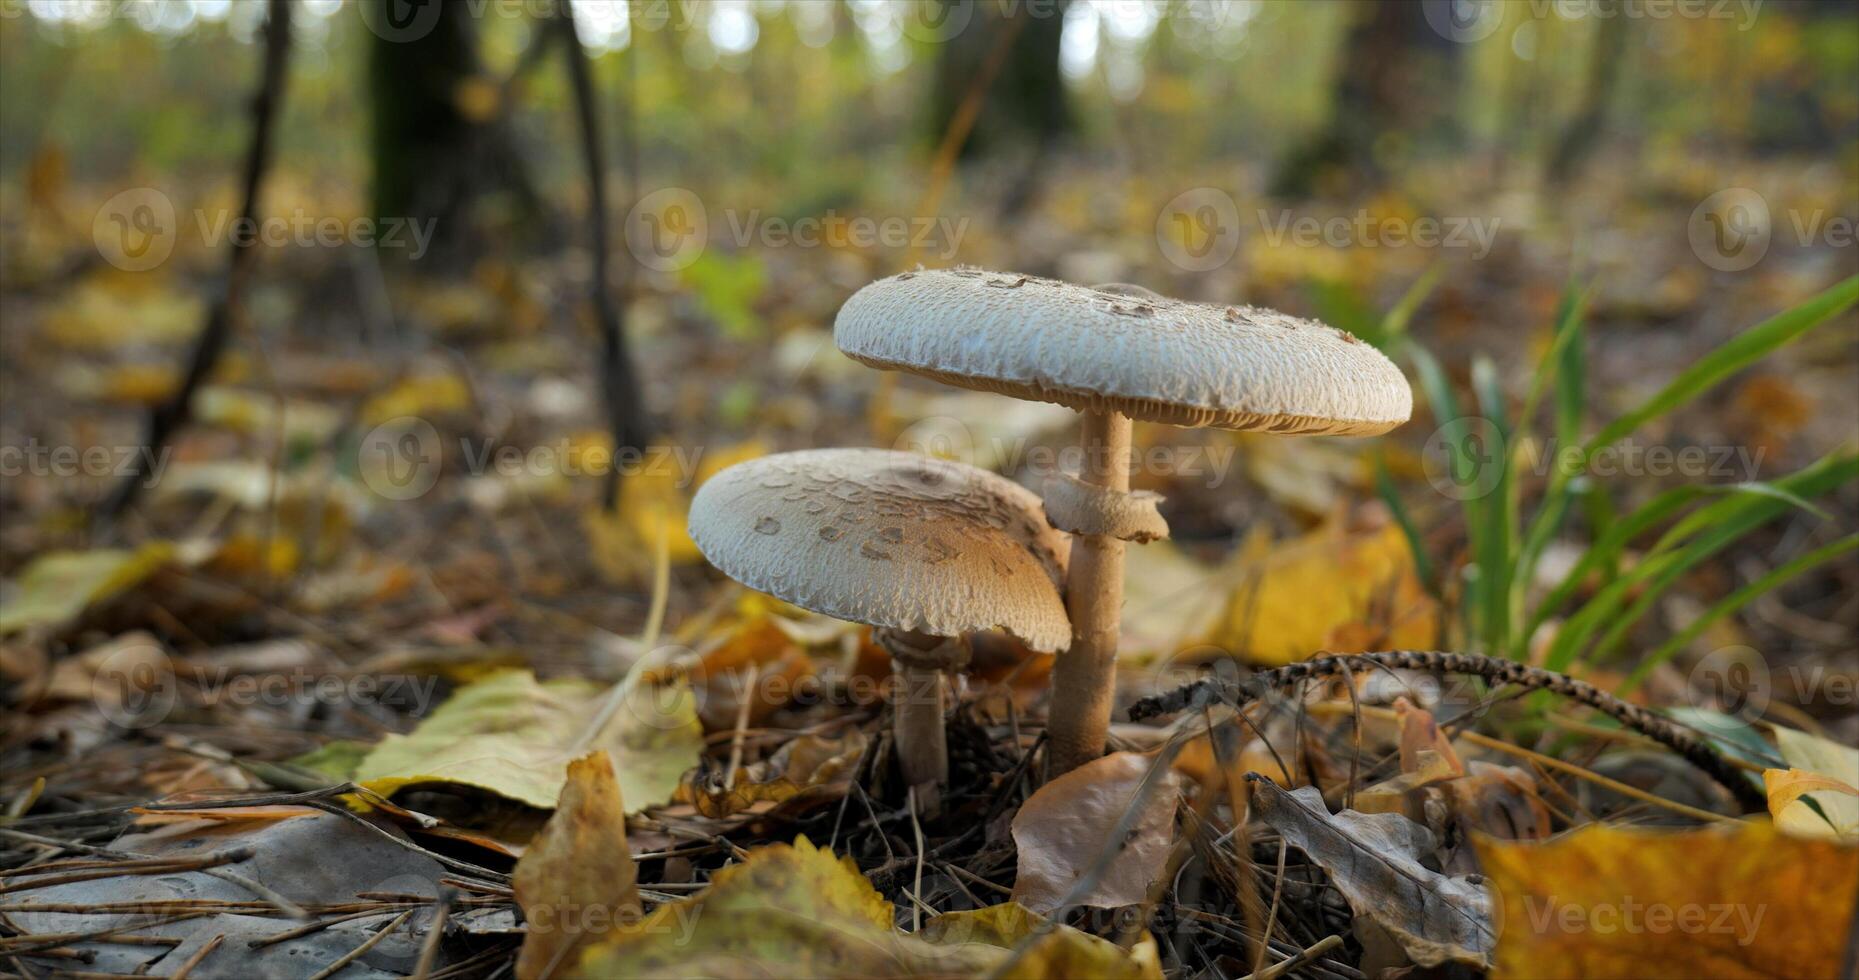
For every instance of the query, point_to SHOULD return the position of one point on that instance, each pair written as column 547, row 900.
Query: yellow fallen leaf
column 1331, row 590
column 577, row 881
column 655, row 501
column 58, row 585
column 1610, row 901
column 424, row 395
column 107, row 311
column 1813, row 754
column 1786, row 787
column 513, row 735
column 796, row 910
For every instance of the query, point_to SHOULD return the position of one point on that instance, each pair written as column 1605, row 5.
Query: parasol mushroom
column 924, row 550
column 1116, row 354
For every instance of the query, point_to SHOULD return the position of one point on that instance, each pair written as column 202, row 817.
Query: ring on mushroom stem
column 924, row 550
column 1117, row 353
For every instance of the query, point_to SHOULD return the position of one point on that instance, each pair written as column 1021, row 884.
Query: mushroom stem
column 1084, row 677
column 918, row 661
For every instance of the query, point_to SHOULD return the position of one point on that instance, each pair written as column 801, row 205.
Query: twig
column 356, row 953
column 202, row 953
column 429, row 950
column 1698, row 752
column 1302, row 957
column 625, row 414
column 211, row 343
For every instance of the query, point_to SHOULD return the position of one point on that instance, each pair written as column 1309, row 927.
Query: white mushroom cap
column 1149, row 357
column 889, row 539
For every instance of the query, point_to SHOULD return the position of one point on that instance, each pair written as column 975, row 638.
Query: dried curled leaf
column 577, row 881
column 1375, row 861
column 807, row 764
column 1063, row 827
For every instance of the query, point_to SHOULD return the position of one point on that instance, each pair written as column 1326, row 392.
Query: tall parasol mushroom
column 1117, row 354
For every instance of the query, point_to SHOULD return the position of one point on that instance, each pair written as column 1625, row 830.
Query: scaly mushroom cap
column 889, row 539
column 1149, row 357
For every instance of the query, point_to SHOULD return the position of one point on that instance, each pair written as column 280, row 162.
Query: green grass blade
column 1735, row 601
column 1394, row 322
column 1423, row 564
column 1730, row 519
column 1739, row 352
column 1495, row 515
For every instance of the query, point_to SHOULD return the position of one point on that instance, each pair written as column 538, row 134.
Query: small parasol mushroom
column 1116, row 354
column 923, row 549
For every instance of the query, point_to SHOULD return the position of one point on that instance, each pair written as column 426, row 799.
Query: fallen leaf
column 1061, row 952
column 805, row 764
column 577, row 881
column 425, row 395
column 1066, row 824
column 796, row 910
column 1375, row 861
column 1827, row 758
column 512, row 735
column 1610, row 901
column 1786, row 787
column 1331, row 590
column 1171, row 602
column 58, row 585
column 653, row 506
column 311, row 858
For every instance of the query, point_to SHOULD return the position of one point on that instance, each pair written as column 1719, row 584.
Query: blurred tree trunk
column 1382, row 85
column 1025, row 104
column 438, row 139
column 1583, row 133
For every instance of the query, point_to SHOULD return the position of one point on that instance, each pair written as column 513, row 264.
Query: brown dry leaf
column 577, row 882
column 806, row 764
column 1608, row 901
column 797, row 910
column 1375, row 861
column 1063, row 827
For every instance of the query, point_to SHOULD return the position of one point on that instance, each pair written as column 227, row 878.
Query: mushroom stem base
column 918, row 661
column 922, row 749
column 1084, row 677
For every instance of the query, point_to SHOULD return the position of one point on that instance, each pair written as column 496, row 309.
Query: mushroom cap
column 889, row 539
column 1149, row 357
